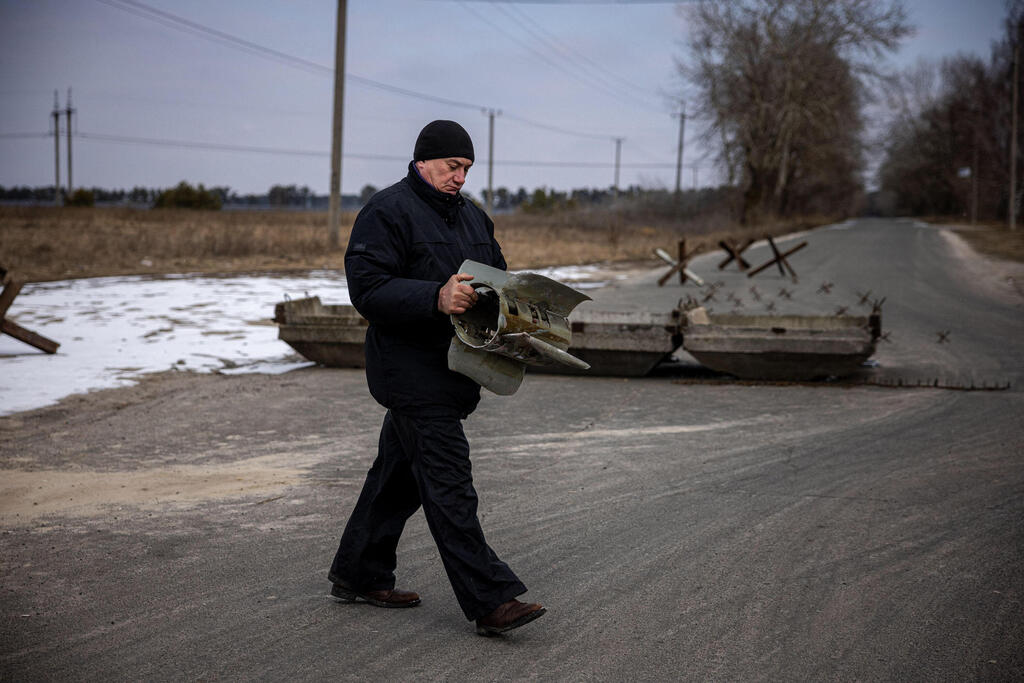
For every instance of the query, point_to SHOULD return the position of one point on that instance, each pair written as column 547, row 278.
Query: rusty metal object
column 779, row 260
column 679, row 266
column 735, row 253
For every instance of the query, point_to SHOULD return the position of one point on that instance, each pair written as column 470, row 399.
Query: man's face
column 446, row 175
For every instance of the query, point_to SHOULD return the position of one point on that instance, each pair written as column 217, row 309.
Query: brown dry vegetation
column 994, row 239
column 48, row 243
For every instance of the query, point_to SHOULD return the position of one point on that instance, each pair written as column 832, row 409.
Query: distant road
column 675, row 531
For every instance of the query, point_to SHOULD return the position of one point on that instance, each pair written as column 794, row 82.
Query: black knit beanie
column 441, row 140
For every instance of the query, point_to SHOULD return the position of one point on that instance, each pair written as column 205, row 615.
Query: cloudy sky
column 239, row 93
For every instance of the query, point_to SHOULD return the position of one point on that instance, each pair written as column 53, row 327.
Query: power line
column 582, row 2
column 189, row 144
column 555, row 49
column 556, row 129
column 579, row 59
column 585, row 79
column 581, row 164
column 412, row 93
column 180, row 23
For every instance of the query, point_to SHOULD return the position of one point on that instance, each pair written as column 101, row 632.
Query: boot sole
column 490, row 631
column 348, row 595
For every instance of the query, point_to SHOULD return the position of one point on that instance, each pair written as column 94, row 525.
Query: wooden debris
column 11, row 288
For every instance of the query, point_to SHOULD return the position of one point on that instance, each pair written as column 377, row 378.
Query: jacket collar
column 446, row 205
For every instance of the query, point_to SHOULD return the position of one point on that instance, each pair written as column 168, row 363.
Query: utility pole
column 491, row 113
column 56, row 148
column 974, row 180
column 69, row 111
column 679, row 155
column 1013, row 141
column 618, row 154
column 334, row 204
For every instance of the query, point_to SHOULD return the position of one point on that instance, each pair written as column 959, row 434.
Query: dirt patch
column 178, row 441
column 26, row 495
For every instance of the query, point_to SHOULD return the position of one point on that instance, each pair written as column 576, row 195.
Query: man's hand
column 456, row 297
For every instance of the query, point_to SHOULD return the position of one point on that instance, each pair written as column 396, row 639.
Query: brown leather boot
column 507, row 616
column 385, row 598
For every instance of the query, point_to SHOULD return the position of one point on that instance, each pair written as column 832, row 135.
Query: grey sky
column 603, row 70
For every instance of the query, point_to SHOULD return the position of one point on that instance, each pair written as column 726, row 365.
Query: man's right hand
column 456, row 297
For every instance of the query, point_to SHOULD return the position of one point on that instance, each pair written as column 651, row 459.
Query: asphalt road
column 676, row 530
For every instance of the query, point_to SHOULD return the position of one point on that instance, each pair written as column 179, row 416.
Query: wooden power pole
column 334, row 204
column 69, row 111
column 618, row 155
column 1013, row 140
column 56, row 148
column 679, row 154
column 491, row 113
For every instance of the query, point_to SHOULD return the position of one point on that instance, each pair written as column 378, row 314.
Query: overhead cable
column 189, row 144
column 182, row 24
column 585, row 79
column 566, row 51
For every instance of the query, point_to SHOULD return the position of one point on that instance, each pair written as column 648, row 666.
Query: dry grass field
column 48, row 243
column 994, row 240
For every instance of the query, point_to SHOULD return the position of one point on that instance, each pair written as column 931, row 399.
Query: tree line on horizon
column 540, row 200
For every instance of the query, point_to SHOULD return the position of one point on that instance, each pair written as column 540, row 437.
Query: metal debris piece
column 779, row 259
column 735, row 253
column 679, row 265
column 518, row 320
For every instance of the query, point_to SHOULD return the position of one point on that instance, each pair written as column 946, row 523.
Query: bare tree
column 949, row 146
column 780, row 87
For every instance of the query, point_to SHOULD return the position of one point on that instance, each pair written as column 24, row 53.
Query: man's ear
column 419, row 166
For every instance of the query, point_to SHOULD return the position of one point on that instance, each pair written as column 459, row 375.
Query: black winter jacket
column 405, row 244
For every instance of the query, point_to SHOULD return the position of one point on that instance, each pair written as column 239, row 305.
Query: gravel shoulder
column 181, row 528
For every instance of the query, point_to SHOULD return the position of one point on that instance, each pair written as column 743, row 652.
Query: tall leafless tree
column 780, row 86
column 949, row 143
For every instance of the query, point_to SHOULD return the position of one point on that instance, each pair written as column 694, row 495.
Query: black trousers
column 423, row 461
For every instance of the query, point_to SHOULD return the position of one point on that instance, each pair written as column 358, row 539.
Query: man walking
column 402, row 270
